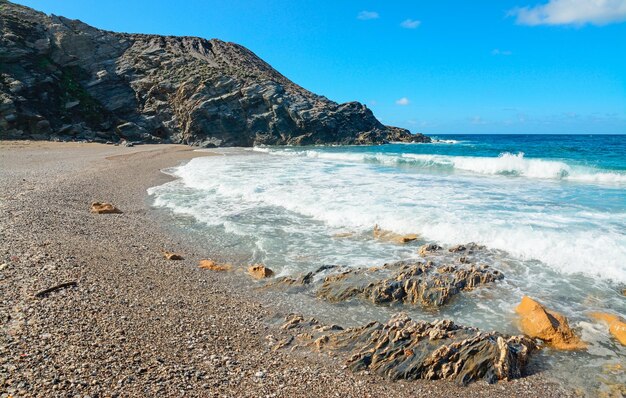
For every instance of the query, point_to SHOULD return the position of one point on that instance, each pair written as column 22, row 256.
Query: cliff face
column 63, row 79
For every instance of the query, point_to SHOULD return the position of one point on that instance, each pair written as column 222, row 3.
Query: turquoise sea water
column 552, row 209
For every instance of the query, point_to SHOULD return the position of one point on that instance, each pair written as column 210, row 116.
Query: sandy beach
column 134, row 323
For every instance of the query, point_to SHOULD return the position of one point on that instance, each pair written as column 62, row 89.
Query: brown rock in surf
column 549, row 326
column 259, row 271
column 390, row 236
column 617, row 326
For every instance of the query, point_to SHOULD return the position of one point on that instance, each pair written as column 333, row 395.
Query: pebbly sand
column 136, row 324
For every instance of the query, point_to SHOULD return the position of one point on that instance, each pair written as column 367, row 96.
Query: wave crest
column 507, row 164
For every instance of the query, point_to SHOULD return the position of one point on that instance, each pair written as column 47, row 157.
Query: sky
column 435, row 67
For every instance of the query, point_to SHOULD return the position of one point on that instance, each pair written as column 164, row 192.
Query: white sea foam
column 530, row 221
column 507, row 164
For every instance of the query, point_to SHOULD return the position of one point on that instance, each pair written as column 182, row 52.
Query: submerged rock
column 213, row 266
column 171, row 255
column 390, row 236
column 404, row 348
column 259, row 271
column 617, row 327
column 549, row 326
column 104, row 208
column 409, row 282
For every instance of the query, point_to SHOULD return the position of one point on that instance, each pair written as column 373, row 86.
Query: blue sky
column 481, row 66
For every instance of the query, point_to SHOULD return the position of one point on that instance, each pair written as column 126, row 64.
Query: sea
column 551, row 209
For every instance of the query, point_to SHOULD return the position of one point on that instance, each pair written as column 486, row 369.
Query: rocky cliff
column 63, row 79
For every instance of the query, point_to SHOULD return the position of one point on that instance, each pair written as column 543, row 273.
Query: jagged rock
column 390, row 236
column 407, row 349
column 407, row 282
column 171, row 255
column 104, row 208
column 549, row 326
column 428, row 249
column 617, row 327
column 303, row 280
column 213, row 266
column 152, row 88
column 468, row 248
column 297, row 321
column 259, row 271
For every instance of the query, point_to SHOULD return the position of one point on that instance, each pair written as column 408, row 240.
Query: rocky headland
column 61, row 79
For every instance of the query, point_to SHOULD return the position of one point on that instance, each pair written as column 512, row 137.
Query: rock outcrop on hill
column 63, row 79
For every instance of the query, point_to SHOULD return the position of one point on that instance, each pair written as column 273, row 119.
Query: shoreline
column 137, row 324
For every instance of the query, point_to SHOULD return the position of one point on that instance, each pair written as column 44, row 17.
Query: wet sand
column 136, row 324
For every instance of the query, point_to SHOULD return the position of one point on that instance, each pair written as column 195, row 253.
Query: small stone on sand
column 104, row 208
column 213, row 266
column 171, row 255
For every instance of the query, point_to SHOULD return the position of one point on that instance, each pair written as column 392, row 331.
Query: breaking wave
column 507, row 164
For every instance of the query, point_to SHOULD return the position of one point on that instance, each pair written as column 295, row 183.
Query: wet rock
column 611, row 381
column 293, row 321
column 171, row 255
column 468, row 248
column 404, row 348
column 429, row 249
column 259, row 271
column 104, row 208
column 390, row 236
column 213, row 266
column 549, row 326
column 303, row 280
column 408, row 282
column 617, row 326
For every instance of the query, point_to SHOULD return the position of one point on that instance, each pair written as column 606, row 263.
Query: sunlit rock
column 617, row 327
column 390, row 236
column 104, row 208
column 213, row 266
column 549, row 326
column 259, row 271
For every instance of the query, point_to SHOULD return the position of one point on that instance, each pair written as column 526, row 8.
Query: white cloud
column 403, row 101
column 410, row 23
column 497, row 51
column 477, row 120
column 365, row 15
column 572, row 12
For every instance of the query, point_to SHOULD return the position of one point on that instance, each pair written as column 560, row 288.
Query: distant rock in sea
column 61, row 79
